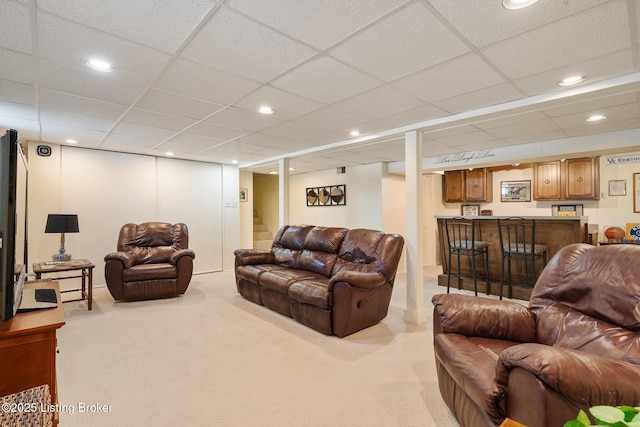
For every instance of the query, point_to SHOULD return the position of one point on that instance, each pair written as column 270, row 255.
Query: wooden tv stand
column 28, row 349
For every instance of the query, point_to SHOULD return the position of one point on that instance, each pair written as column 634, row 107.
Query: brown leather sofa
column 152, row 261
column 576, row 345
column 334, row 280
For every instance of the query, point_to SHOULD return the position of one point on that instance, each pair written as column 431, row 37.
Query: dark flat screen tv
column 13, row 238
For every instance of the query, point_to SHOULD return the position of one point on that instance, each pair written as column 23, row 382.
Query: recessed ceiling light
column 517, row 4
column 272, row 173
column 573, row 80
column 168, row 153
column 100, row 65
column 291, row 169
column 596, row 118
column 71, row 141
column 355, row 132
column 234, row 161
column 265, row 109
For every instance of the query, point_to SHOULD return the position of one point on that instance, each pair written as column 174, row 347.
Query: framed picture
column 329, row 195
column 244, row 194
column 636, row 192
column 567, row 210
column 618, row 187
column 516, row 191
column 470, row 210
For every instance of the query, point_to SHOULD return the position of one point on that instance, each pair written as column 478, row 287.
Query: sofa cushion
column 252, row 272
column 312, row 291
column 279, row 279
column 321, row 248
column 471, row 362
column 144, row 271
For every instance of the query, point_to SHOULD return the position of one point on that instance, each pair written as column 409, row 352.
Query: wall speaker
column 43, row 150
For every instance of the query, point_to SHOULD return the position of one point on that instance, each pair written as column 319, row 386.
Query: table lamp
column 61, row 223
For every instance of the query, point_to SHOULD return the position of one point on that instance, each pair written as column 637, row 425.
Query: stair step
column 259, row 227
column 262, row 244
column 262, row 235
column 257, row 220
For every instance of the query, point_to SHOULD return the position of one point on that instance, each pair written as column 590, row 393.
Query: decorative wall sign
column 329, row 195
column 567, row 210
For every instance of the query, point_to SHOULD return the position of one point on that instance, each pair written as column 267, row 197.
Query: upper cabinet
column 573, row 179
column 468, row 186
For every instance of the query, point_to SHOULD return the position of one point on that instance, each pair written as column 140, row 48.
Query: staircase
column 262, row 238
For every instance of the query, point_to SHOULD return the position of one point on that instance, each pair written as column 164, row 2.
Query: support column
column 283, row 189
column 415, row 312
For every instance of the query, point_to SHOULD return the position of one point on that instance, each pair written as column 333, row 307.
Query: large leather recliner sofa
column 576, row 345
column 334, row 280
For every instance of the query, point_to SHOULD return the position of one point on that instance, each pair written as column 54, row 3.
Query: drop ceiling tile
column 480, row 98
column 329, row 118
column 79, row 82
column 378, row 102
column 466, row 139
column 74, row 120
column 524, row 129
column 467, row 73
column 146, row 22
column 72, row 44
column 615, row 64
column 202, row 142
column 18, row 93
column 233, row 43
column 407, row 41
column 269, row 141
column 158, row 120
column 56, row 133
column 17, row 111
column 198, row 81
column 148, row 135
column 242, row 119
column 80, row 105
column 535, row 137
column 285, row 105
column 215, row 131
column 15, row 28
column 332, row 20
column 324, row 80
column 499, row 23
column 614, row 113
column 411, row 116
column 291, row 130
column 592, row 105
column 236, row 147
column 173, row 104
column 16, row 66
column 127, row 143
column 549, row 47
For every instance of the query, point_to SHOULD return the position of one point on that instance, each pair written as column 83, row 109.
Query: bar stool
column 517, row 243
column 461, row 241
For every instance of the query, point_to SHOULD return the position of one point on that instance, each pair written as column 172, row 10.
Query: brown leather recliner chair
column 576, row 345
column 152, row 261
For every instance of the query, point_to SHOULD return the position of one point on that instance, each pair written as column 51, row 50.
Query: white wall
column 246, row 211
column 363, row 191
column 108, row 189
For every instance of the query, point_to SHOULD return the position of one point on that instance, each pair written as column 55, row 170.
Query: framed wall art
column 515, row 191
column 470, row 210
column 567, row 210
column 328, row 195
column 618, row 187
column 636, row 192
column 244, row 194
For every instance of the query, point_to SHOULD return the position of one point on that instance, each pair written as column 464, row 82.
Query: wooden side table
column 84, row 266
column 28, row 349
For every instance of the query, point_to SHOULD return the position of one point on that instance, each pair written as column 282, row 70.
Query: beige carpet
column 211, row 358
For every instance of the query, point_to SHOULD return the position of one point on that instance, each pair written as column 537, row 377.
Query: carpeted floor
column 211, row 358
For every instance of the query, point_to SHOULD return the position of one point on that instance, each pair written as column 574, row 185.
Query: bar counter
column 555, row 232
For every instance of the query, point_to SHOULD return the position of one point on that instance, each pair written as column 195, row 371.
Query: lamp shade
column 61, row 223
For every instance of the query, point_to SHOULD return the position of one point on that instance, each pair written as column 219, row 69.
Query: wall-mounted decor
column 516, row 191
column 244, row 194
column 470, row 210
column 329, row 195
column 636, row 192
column 618, row 187
column 567, row 210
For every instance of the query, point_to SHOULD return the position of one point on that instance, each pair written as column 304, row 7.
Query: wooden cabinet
column 583, row 178
column 546, row 181
column 454, row 186
column 573, row 179
column 28, row 349
column 468, row 186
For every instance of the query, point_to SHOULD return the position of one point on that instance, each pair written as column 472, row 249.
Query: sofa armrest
column 127, row 259
column 360, row 279
column 482, row 317
column 253, row 256
column 175, row 257
column 579, row 376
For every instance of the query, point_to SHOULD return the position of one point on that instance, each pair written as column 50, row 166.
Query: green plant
column 618, row 416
